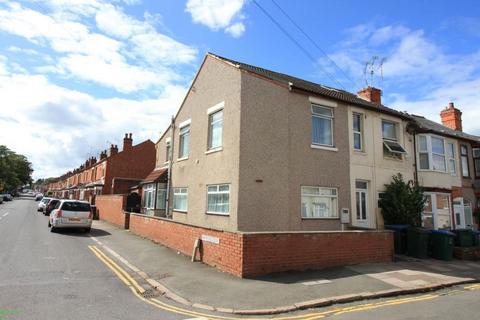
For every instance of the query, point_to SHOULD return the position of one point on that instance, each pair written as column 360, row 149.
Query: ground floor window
column 361, row 199
column 437, row 211
column 218, row 199
column 148, row 196
column 319, row 202
column 180, row 199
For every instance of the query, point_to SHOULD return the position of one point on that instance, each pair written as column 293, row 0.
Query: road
column 47, row 275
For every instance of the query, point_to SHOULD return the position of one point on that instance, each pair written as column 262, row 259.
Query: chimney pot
column 127, row 142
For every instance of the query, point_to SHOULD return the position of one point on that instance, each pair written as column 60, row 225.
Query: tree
column 15, row 170
column 402, row 202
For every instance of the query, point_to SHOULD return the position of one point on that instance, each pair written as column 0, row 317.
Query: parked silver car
column 71, row 214
column 42, row 204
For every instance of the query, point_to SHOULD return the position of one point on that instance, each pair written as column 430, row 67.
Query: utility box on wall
column 345, row 215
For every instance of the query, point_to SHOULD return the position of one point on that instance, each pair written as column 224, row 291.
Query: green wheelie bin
column 418, row 242
column 464, row 238
column 442, row 244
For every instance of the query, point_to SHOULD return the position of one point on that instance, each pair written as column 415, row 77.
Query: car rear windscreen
column 75, row 206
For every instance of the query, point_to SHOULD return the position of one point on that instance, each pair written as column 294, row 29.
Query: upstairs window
column 433, row 155
column 476, row 161
column 358, row 131
column 215, row 130
column 167, row 151
column 391, row 147
column 464, row 159
column 322, row 125
column 184, row 142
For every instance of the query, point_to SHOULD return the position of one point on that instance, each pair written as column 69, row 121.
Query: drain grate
column 150, row 293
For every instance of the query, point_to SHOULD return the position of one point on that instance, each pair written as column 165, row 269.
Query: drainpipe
column 169, row 175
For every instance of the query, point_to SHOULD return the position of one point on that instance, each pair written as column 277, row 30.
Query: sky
column 76, row 75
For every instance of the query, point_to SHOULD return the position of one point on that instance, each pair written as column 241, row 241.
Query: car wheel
column 52, row 228
column 87, row 230
column 49, row 225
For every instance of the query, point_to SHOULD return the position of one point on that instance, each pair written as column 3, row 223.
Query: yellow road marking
column 137, row 290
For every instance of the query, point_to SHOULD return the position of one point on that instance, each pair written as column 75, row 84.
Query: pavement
column 201, row 287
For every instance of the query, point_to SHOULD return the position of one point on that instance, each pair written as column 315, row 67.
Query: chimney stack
column 371, row 94
column 103, row 154
column 113, row 150
column 452, row 117
column 127, row 142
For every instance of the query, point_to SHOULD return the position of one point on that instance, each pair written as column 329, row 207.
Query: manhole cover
column 150, row 293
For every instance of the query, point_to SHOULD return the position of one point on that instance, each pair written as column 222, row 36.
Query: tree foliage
column 403, row 202
column 15, row 170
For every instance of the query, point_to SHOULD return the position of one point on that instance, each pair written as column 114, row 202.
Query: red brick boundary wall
column 110, row 208
column 255, row 254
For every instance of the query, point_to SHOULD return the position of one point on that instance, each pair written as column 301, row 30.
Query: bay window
column 148, row 196
column 318, row 202
column 451, row 158
column 322, row 125
column 180, row 199
column 218, row 199
column 433, row 153
column 438, row 154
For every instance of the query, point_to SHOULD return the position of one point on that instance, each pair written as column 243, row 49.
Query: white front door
column 467, row 211
column 361, row 201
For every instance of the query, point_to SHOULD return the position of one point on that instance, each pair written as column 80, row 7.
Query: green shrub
column 402, row 202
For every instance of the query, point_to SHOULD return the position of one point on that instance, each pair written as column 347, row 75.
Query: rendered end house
column 255, row 150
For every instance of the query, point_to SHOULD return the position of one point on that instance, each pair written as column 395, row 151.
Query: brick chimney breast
column 451, row 117
column 371, row 94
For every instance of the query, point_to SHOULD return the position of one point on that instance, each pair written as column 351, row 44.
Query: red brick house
column 114, row 172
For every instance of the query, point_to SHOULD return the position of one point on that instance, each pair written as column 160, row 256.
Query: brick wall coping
column 262, row 232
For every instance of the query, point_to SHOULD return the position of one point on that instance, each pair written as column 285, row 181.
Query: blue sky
column 75, row 75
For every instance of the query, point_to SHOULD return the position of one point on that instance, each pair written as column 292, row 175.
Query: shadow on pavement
column 81, row 232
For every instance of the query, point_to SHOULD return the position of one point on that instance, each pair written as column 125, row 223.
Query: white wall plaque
column 211, row 239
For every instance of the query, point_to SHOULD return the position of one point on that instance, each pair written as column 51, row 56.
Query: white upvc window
column 218, row 199
column 319, row 203
column 452, row 165
column 432, row 154
column 149, row 196
column 184, row 141
column 391, row 145
column 358, row 131
column 215, row 130
column 161, row 199
column 361, row 199
column 180, row 199
column 322, row 125
column 167, row 150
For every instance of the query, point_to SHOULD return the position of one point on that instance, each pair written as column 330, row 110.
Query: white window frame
column 335, row 196
column 149, row 189
column 168, row 150
column 180, row 191
column 217, row 192
column 392, row 153
column 322, row 116
column 210, row 125
column 361, row 118
column 452, row 163
column 430, row 153
column 359, row 192
column 182, row 132
column 159, row 191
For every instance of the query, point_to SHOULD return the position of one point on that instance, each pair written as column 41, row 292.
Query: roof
column 314, row 88
column 431, row 126
column 155, row 176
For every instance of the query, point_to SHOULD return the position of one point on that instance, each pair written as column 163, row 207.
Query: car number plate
column 74, row 219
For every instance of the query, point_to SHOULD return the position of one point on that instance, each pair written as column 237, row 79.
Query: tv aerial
column 373, row 67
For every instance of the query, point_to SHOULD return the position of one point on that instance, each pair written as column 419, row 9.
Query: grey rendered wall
column 276, row 159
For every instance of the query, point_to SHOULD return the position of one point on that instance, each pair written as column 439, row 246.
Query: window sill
column 314, row 146
column 332, row 218
column 214, row 150
column 359, row 152
column 182, row 159
column 218, row 214
column 180, row 211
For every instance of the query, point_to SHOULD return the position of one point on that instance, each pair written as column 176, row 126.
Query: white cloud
column 419, row 76
column 58, row 128
column 87, row 55
column 218, row 14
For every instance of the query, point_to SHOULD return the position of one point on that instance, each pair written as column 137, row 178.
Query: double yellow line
column 138, row 290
